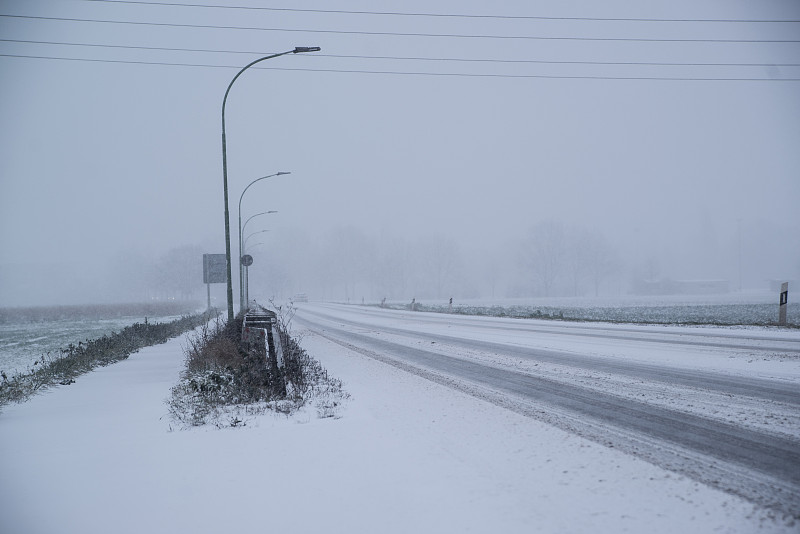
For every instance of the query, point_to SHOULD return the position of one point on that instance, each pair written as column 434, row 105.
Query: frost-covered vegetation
column 730, row 314
column 28, row 333
column 65, row 365
column 226, row 380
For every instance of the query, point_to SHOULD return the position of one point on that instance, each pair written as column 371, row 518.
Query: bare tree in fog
column 178, row 274
column 603, row 260
column 544, row 254
column 563, row 260
column 647, row 277
column 390, row 267
column 346, row 258
column 127, row 277
column 439, row 265
column 577, row 246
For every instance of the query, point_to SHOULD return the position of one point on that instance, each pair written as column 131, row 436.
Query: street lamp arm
column 256, row 215
column 258, row 180
column 251, row 235
column 259, row 60
column 296, row 50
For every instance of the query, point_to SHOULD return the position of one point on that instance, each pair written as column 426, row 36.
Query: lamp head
column 302, row 49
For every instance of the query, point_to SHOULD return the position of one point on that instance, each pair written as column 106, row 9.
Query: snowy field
column 756, row 308
column 26, row 337
column 407, row 455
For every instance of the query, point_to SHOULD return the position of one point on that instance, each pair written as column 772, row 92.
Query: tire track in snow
column 727, row 384
column 638, row 334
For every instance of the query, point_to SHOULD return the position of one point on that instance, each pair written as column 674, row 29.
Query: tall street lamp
column 241, row 292
column 297, row 50
column 242, row 228
column 246, row 294
column 247, row 278
column 241, row 252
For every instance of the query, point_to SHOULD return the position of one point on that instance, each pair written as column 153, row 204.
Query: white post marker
column 783, row 303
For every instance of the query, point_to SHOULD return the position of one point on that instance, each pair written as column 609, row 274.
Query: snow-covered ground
column 750, row 308
column 407, row 455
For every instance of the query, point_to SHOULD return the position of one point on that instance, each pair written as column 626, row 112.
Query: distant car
column 300, row 297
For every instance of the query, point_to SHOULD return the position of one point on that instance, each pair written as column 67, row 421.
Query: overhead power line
column 442, row 15
column 405, row 73
column 404, row 34
column 402, row 58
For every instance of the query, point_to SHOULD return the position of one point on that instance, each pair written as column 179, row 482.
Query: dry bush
column 225, row 380
column 221, row 378
column 212, row 347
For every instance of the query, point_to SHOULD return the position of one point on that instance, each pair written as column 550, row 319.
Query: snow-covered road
column 719, row 405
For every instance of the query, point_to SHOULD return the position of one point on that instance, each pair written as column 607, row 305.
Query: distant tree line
column 348, row 264
column 552, row 258
column 176, row 275
column 567, row 260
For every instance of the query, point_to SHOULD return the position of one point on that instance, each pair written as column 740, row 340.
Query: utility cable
column 402, row 58
column 404, row 34
column 404, row 73
column 441, row 15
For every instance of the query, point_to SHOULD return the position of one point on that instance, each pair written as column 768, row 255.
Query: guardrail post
column 784, row 301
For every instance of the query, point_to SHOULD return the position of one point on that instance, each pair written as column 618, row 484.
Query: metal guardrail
column 261, row 327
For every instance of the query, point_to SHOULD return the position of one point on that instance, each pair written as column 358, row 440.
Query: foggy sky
column 105, row 165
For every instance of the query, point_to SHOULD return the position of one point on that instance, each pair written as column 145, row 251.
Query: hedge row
column 63, row 366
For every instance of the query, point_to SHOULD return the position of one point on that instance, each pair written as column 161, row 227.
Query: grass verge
column 676, row 314
column 68, row 363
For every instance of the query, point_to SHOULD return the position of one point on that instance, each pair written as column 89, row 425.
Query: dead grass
column 226, row 381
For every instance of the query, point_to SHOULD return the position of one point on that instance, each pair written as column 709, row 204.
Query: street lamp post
column 297, row 50
column 241, row 291
column 242, row 227
column 246, row 294
column 247, row 278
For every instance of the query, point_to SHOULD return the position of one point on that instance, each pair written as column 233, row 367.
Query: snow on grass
column 726, row 309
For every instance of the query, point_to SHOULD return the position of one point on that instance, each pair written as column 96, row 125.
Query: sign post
column 783, row 303
column 214, row 271
column 247, row 261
